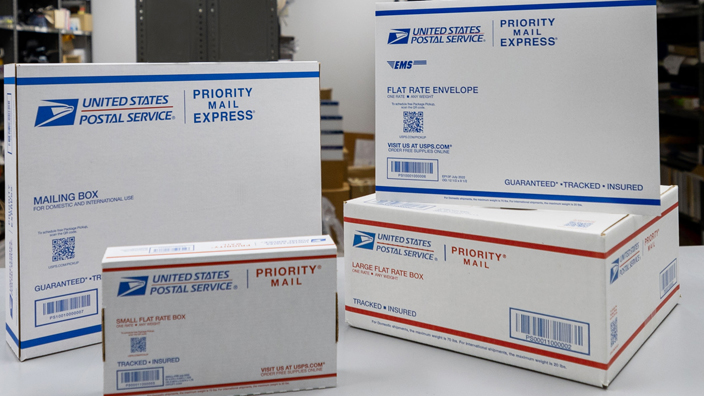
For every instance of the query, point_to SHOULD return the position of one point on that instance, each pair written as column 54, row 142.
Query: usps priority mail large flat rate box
column 223, row 318
column 109, row 155
column 544, row 104
column 571, row 294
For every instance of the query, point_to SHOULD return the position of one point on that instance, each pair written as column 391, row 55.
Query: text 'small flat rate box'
column 110, row 155
column 571, row 294
column 542, row 104
column 234, row 317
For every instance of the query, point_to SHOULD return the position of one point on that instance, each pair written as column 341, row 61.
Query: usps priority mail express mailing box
column 233, row 317
column 544, row 104
column 571, row 294
column 110, row 155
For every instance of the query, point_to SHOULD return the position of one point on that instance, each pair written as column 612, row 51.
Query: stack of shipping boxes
column 332, row 153
column 345, row 173
column 518, row 215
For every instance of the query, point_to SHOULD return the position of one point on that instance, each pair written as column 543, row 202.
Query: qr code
column 614, row 331
column 413, row 122
column 138, row 344
column 63, row 248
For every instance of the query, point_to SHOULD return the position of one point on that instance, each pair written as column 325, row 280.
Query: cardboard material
column 229, row 317
column 360, row 187
column 71, row 59
column 58, row 18
column 570, row 294
column 458, row 122
column 105, row 155
column 85, row 21
column 337, row 197
column 362, row 172
column 326, row 94
column 351, row 143
column 334, row 174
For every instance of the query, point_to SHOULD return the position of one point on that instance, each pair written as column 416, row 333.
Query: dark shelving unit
column 14, row 34
column 207, row 30
column 682, row 130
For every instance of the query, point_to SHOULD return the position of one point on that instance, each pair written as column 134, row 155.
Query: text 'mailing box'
column 571, row 294
column 109, row 155
column 544, row 104
column 229, row 317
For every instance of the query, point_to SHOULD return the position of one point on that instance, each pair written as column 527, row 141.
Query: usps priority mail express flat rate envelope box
column 223, row 318
column 109, row 155
column 544, row 104
column 570, row 294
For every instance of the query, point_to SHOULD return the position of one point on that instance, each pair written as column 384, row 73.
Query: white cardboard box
column 329, row 108
column 331, row 122
column 106, row 155
column 568, row 294
column 334, row 139
column 543, row 104
column 232, row 317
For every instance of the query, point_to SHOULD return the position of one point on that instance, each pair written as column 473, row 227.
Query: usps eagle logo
column 399, row 36
column 364, row 240
column 59, row 112
column 133, row 286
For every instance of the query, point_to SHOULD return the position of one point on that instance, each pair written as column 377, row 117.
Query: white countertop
column 670, row 363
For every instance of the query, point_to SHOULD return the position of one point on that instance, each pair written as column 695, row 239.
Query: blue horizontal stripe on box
column 162, row 78
column 518, row 7
column 329, row 103
column 331, row 147
column 61, row 336
column 12, row 335
column 334, row 117
column 9, row 80
column 332, row 132
column 546, row 197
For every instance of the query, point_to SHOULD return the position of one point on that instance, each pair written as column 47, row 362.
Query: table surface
column 670, row 363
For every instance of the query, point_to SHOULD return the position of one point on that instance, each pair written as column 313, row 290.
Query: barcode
column 668, row 278
column 411, row 167
column 65, row 307
column 66, row 304
column 171, row 249
column 550, row 331
column 140, row 376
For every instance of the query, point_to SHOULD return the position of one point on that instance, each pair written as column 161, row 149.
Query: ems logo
column 134, row 286
column 364, row 240
column 399, row 36
column 406, row 64
column 614, row 272
column 60, row 112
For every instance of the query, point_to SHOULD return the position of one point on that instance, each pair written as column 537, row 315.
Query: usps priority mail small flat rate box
column 570, row 294
column 110, row 155
column 232, row 317
column 543, row 104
